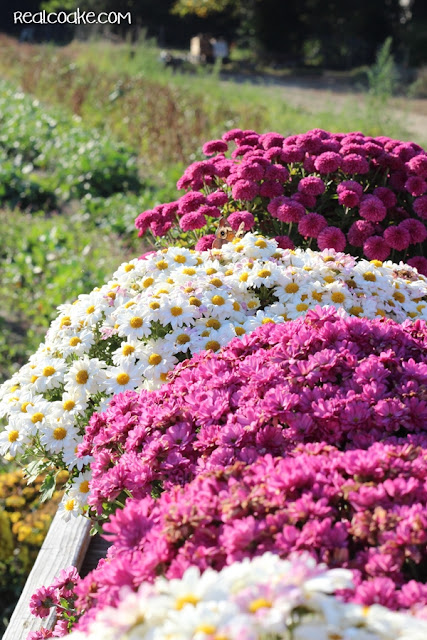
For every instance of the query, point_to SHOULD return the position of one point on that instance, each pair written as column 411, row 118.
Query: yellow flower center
column 90, row 309
column 128, row 349
column 229, row 272
column 65, row 322
column 59, row 433
column 337, row 296
column 264, row 273
column 154, row 359
column 111, row 295
column 37, row 417
column 213, row 345
column 162, row 265
column 218, row 300
column 129, row 267
column 82, row 376
column 244, row 276
column 369, row 276
column 252, row 304
column 238, row 248
column 136, row 322
column 48, row 371
column 316, row 296
column 183, row 338
column 147, row 282
column 267, row 321
column 239, row 331
column 163, row 291
column 129, row 304
column 236, row 306
column 33, row 379
column 380, row 312
column 356, row 310
column 13, row 435
column 213, row 323
column 180, row 259
column 216, row 282
column 329, row 279
column 163, row 377
column 210, row 271
column 154, row 305
column 195, row 301
column 328, row 259
column 261, row 244
column 176, row 311
column 209, row 629
column 259, row 603
column 24, row 406
column 302, row 306
column 84, row 486
column 187, row 599
column 399, row 296
column 69, row 505
column 189, row 271
column 291, row 287
column 74, row 341
column 376, row 263
column 68, row 405
column 122, row 378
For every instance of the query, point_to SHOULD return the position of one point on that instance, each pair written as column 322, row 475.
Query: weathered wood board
column 66, row 544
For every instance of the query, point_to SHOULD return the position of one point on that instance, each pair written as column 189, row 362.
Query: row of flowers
column 350, row 192
column 156, row 312
column 262, row 471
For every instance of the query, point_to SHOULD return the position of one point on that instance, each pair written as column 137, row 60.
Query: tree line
column 326, row 33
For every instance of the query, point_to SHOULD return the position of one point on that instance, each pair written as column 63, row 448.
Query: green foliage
column 48, row 157
column 45, row 262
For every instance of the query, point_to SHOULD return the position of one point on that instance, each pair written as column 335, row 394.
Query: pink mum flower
column 311, row 225
column 192, row 221
column 348, row 199
column 418, row 165
column 419, row 263
column 190, row 202
column 235, row 220
column 42, row 601
column 359, row 231
column 415, row 228
column 284, row 242
column 245, row 190
column 214, row 146
column 205, row 242
column 372, row 209
column 375, row 248
column 355, row 164
column 327, row 162
column 420, row 206
column 387, row 196
column 331, row 238
column 311, row 185
column 397, row 238
column 416, row 186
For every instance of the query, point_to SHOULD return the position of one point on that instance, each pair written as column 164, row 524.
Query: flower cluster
column 322, row 378
column 359, row 510
column 350, row 192
column 255, row 599
column 158, row 311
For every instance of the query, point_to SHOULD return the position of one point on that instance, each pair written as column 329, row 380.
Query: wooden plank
column 66, row 544
column 98, row 548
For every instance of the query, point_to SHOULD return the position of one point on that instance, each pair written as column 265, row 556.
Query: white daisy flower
column 127, row 375
column 85, row 376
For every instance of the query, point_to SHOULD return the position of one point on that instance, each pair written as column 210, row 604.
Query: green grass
column 166, row 117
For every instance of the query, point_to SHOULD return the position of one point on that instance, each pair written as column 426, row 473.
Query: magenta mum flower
column 397, row 238
column 420, row 207
column 371, row 208
column 375, row 248
column 192, row 221
column 235, row 220
column 311, row 225
column 214, row 146
column 327, row 162
column 245, row 190
column 331, row 238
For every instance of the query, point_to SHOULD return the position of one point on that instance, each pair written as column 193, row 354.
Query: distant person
column 219, row 49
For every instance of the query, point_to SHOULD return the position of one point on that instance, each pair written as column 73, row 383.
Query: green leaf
column 48, row 487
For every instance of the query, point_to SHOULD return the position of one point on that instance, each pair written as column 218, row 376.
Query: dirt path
column 318, row 94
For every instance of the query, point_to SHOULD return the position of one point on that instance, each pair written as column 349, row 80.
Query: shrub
column 158, row 311
column 349, row 192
